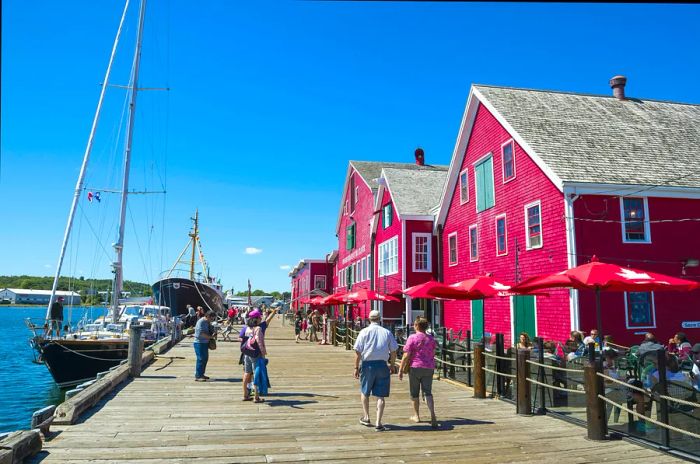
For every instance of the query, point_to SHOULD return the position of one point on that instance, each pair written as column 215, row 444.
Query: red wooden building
column 310, row 278
column 540, row 181
column 383, row 206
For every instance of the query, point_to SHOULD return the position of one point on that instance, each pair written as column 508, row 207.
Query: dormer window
column 387, row 215
column 463, row 187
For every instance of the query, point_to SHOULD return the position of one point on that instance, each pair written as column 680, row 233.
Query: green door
column 477, row 319
column 524, row 313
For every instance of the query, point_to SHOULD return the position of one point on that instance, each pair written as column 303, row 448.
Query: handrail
column 504, row 358
column 580, row 392
column 625, row 384
column 512, row 376
column 470, row 366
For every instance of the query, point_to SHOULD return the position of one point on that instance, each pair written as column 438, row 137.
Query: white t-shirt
column 375, row 343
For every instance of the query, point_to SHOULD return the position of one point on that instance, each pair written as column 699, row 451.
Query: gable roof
column 369, row 171
column 577, row 139
column 603, row 140
column 415, row 192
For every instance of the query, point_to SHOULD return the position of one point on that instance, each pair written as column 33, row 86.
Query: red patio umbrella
column 609, row 277
column 363, row 294
column 482, row 287
column 434, row 291
column 332, row 299
column 317, row 301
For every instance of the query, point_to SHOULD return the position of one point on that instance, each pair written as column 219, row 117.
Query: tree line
column 76, row 284
column 275, row 294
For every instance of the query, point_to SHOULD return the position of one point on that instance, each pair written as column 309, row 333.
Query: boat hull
column 72, row 362
column 177, row 293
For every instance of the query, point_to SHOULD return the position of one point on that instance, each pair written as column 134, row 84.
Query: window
column 387, row 215
column 421, row 252
column 368, row 264
column 501, row 236
column 389, row 257
column 357, row 195
column 533, row 226
column 473, row 244
column 346, row 210
column 463, row 187
column 483, row 178
column 508, row 152
column 452, row 246
column 320, row 281
column 640, row 311
column 350, row 237
column 635, row 220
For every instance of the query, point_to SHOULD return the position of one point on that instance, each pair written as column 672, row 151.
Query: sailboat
column 199, row 289
column 81, row 354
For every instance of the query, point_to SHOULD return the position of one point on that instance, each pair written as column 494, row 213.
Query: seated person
column 592, row 338
column 679, row 345
column 695, row 371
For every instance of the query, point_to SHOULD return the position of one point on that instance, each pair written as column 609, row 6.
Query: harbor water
column 26, row 386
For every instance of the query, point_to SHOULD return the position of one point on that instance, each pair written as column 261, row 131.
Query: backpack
column 250, row 345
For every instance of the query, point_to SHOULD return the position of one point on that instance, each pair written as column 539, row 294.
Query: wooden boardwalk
column 311, row 415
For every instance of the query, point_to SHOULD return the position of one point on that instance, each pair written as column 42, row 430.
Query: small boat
column 176, row 292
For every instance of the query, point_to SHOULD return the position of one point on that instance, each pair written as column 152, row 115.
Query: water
column 26, row 387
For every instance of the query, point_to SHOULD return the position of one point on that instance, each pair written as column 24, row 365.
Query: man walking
column 374, row 346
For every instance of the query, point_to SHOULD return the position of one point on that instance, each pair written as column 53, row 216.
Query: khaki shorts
column 420, row 378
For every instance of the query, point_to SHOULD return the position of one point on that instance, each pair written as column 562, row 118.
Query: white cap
column 374, row 315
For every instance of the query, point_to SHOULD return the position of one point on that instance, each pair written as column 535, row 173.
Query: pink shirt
column 422, row 347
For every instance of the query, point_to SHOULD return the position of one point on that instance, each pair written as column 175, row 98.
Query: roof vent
column 617, row 84
column 420, row 157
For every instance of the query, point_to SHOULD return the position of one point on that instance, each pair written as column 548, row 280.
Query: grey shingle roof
column 599, row 139
column 416, row 191
column 370, row 170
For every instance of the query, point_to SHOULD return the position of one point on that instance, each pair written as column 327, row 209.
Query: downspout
column 569, row 199
column 439, row 272
column 372, row 241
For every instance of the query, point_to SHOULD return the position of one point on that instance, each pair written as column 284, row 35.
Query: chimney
column 617, row 84
column 420, row 157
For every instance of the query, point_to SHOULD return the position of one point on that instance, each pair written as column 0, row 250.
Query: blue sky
column 268, row 102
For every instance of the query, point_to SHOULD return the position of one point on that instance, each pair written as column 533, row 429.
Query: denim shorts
column 375, row 378
column 249, row 363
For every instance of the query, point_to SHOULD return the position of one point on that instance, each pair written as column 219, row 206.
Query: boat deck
column 311, row 415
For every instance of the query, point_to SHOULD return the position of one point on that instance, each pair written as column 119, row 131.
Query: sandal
column 365, row 422
column 259, row 400
column 247, row 399
column 380, row 428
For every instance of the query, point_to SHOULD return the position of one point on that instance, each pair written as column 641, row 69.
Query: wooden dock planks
column 311, row 415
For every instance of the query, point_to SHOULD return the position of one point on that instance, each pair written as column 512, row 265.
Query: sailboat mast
column 86, row 157
column 119, row 245
column 195, row 237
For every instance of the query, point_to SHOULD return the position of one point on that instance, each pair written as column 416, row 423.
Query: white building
column 24, row 296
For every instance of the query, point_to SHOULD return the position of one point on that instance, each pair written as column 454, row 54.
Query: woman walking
column 252, row 338
column 203, row 332
column 419, row 356
column 297, row 327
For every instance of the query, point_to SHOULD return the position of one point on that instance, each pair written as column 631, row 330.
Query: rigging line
column 138, row 244
column 93, row 231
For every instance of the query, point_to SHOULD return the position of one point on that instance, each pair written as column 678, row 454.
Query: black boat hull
column 176, row 293
column 72, row 362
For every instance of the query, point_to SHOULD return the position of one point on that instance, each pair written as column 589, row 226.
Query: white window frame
column 647, row 228
column 387, row 267
column 475, row 228
column 357, row 195
column 449, row 251
column 363, row 268
column 346, row 210
column 429, row 252
column 653, row 313
column 316, row 280
column 464, row 172
column 476, row 189
column 505, row 229
column 537, row 203
column 503, row 161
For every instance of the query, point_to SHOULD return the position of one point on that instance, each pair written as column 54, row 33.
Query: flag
column 90, row 197
column 97, row 197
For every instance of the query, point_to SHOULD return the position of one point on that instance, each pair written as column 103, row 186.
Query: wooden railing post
column 444, row 352
column 500, row 365
column 662, row 389
column 479, row 373
column 135, row 350
column 542, row 408
column 468, row 358
column 334, row 332
column 524, row 403
column 595, row 407
column 347, row 334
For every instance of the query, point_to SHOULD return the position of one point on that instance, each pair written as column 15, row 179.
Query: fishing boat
column 78, row 354
column 194, row 289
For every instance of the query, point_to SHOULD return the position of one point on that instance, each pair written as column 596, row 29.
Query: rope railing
column 447, row 363
column 680, row 401
column 554, row 387
column 648, row 419
column 458, row 351
column 503, row 358
column 557, row 368
column 625, row 384
column 502, row 374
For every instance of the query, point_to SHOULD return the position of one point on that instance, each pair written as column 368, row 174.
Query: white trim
column 449, row 252
column 584, row 188
column 463, row 172
column 357, row 196
column 379, row 247
column 429, row 257
column 647, row 228
column 556, row 180
column 503, row 161
column 349, row 172
column 527, row 231
column 505, row 229
column 476, row 163
column 572, row 259
column 325, row 281
column 469, row 239
column 403, row 254
column 417, row 217
column 653, row 313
